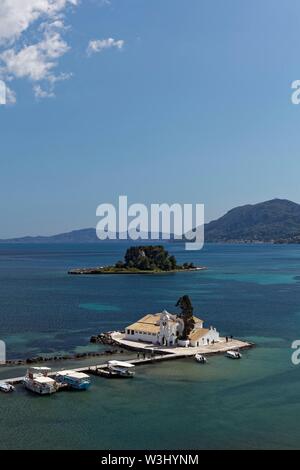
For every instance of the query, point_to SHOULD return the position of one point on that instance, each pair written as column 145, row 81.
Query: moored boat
column 201, row 359
column 121, row 369
column 37, row 381
column 75, row 380
column 233, row 355
column 6, row 388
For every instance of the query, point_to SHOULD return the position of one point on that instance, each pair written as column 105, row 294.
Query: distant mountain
column 277, row 220
column 272, row 221
column 87, row 235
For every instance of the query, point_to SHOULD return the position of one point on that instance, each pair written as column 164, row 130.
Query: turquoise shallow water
column 249, row 291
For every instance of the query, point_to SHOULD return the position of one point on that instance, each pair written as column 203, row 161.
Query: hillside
column 274, row 220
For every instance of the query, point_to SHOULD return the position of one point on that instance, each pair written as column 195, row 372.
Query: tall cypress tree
column 187, row 312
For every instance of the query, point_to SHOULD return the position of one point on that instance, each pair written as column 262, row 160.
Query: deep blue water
column 249, row 291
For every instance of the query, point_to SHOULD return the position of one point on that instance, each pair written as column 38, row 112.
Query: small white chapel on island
column 165, row 329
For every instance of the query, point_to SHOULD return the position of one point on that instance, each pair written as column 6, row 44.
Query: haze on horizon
column 170, row 101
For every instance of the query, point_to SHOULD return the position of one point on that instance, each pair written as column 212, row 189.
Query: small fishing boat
column 6, row 388
column 75, row 380
column 37, row 381
column 201, row 359
column 234, row 355
column 121, row 369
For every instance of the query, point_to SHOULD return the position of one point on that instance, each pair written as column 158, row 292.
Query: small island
column 142, row 260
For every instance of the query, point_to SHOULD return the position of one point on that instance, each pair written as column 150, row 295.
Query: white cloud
column 32, row 42
column 99, row 45
column 48, row 90
column 35, row 61
column 11, row 97
column 17, row 15
column 40, row 93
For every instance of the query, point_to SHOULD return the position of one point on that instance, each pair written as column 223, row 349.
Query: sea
column 249, row 291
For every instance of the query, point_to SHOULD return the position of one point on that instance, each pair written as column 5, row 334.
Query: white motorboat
column 121, row 369
column 37, row 381
column 234, row 355
column 200, row 358
column 6, row 388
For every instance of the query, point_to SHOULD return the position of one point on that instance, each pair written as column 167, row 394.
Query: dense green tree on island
column 173, row 262
column 148, row 258
column 119, row 265
column 187, row 315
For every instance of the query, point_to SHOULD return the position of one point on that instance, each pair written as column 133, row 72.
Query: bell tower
column 167, row 333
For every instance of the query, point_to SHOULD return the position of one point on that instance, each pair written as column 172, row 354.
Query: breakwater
column 60, row 358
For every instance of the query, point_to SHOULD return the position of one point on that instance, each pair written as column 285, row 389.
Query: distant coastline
column 288, row 241
column 271, row 222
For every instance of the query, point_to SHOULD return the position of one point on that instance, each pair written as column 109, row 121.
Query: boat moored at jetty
column 201, row 359
column 75, row 380
column 37, row 381
column 234, row 355
column 6, row 388
column 121, row 369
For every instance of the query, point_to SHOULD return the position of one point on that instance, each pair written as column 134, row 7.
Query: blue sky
column 193, row 106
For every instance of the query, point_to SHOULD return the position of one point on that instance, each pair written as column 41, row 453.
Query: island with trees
column 147, row 259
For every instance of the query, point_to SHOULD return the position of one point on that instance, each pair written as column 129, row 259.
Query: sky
column 183, row 101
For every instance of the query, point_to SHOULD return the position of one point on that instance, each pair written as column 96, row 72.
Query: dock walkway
column 217, row 348
column 157, row 354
